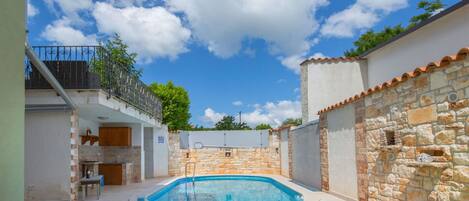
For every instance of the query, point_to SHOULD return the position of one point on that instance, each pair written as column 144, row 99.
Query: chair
column 99, row 180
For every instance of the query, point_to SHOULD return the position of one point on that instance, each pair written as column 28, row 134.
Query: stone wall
column 217, row 160
column 418, row 113
column 324, row 156
column 397, row 124
column 74, row 169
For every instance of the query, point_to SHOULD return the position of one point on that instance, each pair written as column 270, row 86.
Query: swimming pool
column 226, row 188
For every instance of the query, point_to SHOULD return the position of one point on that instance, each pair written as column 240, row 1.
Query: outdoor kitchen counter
column 116, row 173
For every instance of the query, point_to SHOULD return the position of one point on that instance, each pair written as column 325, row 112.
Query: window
column 390, row 138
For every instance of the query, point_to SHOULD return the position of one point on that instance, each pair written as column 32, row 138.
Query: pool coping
column 309, row 194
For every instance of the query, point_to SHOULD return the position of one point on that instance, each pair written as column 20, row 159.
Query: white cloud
column 126, row 3
column 223, row 25
column 61, row 32
column 269, row 113
column 237, row 103
column 70, row 8
column 293, row 62
column 211, row 116
column 364, row 14
column 384, row 5
column 250, row 52
column 32, row 10
column 150, row 32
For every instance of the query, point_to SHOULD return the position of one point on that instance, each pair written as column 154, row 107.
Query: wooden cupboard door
column 104, row 137
column 112, row 173
column 115, row 136
column 124, row 136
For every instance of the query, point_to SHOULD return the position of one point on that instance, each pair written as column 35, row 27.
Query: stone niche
column 419, row 120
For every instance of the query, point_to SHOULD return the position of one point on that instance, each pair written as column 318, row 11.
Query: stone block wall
column 396, row 125
column 423, row 120
column 324, row 153
column 361, row 151
column 216, row 160
column 74, row 169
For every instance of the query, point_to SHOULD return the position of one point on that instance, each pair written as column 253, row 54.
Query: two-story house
column 86, row 114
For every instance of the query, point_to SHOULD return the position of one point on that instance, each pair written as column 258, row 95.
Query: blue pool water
column 226, row 188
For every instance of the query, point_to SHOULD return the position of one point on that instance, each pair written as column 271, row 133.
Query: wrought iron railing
column 91, row 67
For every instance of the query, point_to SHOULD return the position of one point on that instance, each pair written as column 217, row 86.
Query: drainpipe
column 42, row 68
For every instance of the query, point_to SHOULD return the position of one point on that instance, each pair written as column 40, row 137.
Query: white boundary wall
column 341, row 153
column 306, row 168
column 231, row 138
column 284, row 162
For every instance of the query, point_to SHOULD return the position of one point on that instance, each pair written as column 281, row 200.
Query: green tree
column 430, row 8
column 229, row 123
column 292, row 122
column 115, row 51
column 200, row 128
column 176, row 103
column 263, row 127
column 371, row 39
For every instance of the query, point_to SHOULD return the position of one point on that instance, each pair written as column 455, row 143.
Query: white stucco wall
column 341, row 153
column 284, row 166
column 161, row 152
column 444, row 36
column 329, row 83
column 47, row 156
column 306, row 158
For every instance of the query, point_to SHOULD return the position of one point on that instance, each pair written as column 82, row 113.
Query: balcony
column 91, row 67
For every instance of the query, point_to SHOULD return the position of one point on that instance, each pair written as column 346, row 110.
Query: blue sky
column 231, row 56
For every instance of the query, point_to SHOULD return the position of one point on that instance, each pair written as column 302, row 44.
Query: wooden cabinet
column 112, row 173
column 115, row 136
column 116, row 173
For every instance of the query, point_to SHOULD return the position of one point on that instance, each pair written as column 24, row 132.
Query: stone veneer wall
column 324, row 152
column 423, row 121
column 417, row 112
column 74, row 169
column 214, row 161
column 361, row 151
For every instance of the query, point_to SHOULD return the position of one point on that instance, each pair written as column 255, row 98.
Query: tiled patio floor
column 132, row 191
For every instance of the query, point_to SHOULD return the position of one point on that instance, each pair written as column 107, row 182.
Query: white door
column 148, row 147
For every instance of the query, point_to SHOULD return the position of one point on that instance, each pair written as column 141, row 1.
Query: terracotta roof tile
column 444, row 62
column 330, row 60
